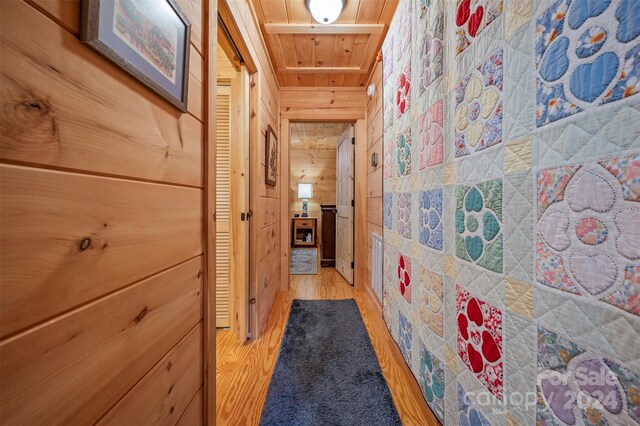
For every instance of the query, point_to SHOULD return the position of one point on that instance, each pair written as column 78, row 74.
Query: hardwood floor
column 243, row 371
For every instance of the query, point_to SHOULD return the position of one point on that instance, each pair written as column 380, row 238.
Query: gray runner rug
column 327, row 372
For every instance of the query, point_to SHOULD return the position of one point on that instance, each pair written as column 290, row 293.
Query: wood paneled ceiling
column 316, row 135
column 305, row 53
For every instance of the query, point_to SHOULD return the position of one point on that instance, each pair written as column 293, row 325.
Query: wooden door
column 223, row 172
column 240, row 204
column 345, row 204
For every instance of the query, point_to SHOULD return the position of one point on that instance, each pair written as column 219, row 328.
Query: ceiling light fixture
column 325, row 11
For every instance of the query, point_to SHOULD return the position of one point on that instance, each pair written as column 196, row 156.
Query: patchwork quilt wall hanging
column 512, row 208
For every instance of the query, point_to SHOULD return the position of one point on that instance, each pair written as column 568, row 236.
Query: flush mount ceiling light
column 325, row 11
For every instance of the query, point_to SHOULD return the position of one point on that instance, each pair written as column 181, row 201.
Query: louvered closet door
column 223, row 196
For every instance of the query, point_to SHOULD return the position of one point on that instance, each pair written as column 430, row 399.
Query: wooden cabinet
column 303, row 232
column 328, row 237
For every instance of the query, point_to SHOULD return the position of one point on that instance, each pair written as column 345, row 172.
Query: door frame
column 239, row 224
column 360, row 182
column 230, row 16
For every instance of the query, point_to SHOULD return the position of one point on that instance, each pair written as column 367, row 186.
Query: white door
column 345, row 204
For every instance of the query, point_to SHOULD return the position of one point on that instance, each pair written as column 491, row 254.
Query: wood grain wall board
column 264, row 108
column 166, row 391
column 318, row 48
column 323, row 99
column 67, row 108
column 316, row 136
column 269, row 279
column 360, row 231
column 67, row 14
column 297, row 12
column 45, row 269
column 192, row 416
column 330, row 105
column 285, row 214
column 210, row 46
column 317, row 167
column 196, row 94
column 374, row 103
column 73, row 369
column 89, row 115
column 375, row 129
column 269, row 239
column 255, row 202
column 375, row 184
column 374, row 143
column 240, row 193
column 64, row 13
column 322, row 115
column 377, row 149
column 374, row 210
column 313, row 165
column 193, row 10
column 269, row 212
column 243, row 13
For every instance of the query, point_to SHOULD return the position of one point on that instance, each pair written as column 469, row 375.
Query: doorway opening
column 232, row 267
column 322, row 198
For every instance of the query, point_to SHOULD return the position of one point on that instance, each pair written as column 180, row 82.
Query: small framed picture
column 149, row 39
column 271, row 157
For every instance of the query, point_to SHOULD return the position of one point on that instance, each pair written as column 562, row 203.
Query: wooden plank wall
column 265, row 199
column 102, row 230
column 318, row 167
column 374, row 190
column 322, row 104
column 329, row 104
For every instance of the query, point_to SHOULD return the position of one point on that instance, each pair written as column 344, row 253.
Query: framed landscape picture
column 271, row 157
column 147, row 38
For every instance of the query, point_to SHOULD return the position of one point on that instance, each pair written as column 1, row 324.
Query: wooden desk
column 300, row 228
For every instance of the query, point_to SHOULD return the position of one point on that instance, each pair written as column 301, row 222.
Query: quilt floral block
column 587, row 55
column 468, row 414
column 387, row 58
column 479, row 340
column 430, row 218
column 390, row 264
column 577, row 386
column 431, row 136
column 473, row 16
column 478, row 115
column 404, row 277
column 403, row 90
column 388, row 157
column 403, row 34
column 431, row 306
column 478, row 224
column 404, row 214
column 432, row 381
column 389, row 105
column 387, row 201
column 405, row 335
column 430, row 59
column 403, row 152
column 588, row 230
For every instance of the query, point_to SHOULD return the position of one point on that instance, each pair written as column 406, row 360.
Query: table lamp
column 305, row 191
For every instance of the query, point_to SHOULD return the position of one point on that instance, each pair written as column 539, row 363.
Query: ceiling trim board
column 324, row 29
